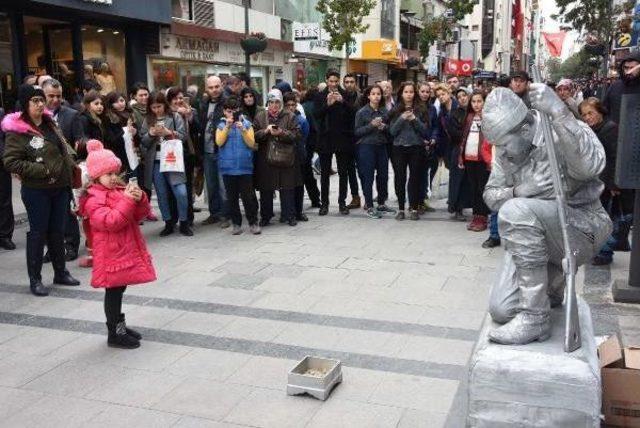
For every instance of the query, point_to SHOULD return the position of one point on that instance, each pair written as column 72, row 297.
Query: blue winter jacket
column 235, row 157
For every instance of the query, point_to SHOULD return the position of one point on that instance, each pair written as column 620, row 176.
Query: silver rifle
column 572, row 339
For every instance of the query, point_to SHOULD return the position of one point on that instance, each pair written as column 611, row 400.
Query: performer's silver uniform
column 529, row 224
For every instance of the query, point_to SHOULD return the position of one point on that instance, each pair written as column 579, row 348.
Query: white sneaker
column 237, row 230
column 255, row 229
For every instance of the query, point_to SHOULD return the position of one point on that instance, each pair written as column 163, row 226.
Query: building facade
column 76, row 40
column 204, row 39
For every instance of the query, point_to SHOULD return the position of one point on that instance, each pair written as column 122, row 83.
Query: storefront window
column 8, row 84
column 298, row 11
column 168, row 73
column 103, row 51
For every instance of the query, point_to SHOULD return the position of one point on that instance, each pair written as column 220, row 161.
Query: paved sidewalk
column 400, row 303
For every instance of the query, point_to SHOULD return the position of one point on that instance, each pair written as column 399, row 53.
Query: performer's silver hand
column 545, row 100
column 526, row 189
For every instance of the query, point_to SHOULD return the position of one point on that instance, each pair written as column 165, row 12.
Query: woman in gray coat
column 162, row 124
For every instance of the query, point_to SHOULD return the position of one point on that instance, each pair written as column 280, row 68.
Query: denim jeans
column 606, row 251
column 47, row 209
column 215, row 188
column 493, row 226
column 179, row 191
column 373, row 162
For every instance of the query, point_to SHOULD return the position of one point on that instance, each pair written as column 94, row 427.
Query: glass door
column 8, row 84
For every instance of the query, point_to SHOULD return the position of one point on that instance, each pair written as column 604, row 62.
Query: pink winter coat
column 120, row 255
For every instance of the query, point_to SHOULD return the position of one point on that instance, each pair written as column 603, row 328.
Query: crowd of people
column 230, row 142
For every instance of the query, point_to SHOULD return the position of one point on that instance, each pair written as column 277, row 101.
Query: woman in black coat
column 617, row 202
column 276, row 125
column 117, row 117
column 91, row 120
column 451, row 121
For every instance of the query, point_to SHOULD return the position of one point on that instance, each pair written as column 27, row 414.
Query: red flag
column 466, row 66
column 458, row 67
column 452, row 66
column 554, row 42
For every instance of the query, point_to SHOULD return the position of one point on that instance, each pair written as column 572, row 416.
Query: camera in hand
column 236, row 116
column 274, row 127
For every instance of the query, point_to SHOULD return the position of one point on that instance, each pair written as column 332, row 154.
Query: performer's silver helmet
column 503, row 111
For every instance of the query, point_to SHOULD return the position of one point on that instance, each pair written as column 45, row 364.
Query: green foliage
column 593, row 16
column 576, row 66
column 343, row 18
column 440, row 27
column 433, row 29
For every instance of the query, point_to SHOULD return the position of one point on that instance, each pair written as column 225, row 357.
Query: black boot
column 35, row 249
column 185, row 228
column 119, row 338
column 61, row 275
column 169, row 228
column 622, row 236
column 130, row 331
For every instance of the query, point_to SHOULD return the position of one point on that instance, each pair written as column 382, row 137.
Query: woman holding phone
column 176, row 100
column 409, row 128
column 162, row 124
column 276, row 126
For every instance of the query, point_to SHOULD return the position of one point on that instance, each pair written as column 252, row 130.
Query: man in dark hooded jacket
column 628, row 83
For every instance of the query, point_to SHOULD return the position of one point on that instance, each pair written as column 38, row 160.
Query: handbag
column 76, row 174
column 281, row 154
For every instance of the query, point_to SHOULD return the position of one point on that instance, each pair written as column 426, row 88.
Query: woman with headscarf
column 276, row 127
column 250, row 107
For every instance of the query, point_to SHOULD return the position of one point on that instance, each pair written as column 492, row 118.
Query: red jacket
column 484, row 151
column 120, row 255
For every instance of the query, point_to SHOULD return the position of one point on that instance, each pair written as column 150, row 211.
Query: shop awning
column 380, row 50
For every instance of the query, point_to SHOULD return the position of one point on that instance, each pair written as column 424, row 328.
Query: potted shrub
column 256, row 42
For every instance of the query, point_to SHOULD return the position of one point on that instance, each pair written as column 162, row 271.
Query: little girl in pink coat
column 120, row 255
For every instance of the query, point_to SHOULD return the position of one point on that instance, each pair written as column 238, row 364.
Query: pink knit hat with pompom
column 101, row 161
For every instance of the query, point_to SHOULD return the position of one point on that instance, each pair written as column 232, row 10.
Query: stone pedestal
column 536, row 385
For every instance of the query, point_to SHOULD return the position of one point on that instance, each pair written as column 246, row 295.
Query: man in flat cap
column 521, row 190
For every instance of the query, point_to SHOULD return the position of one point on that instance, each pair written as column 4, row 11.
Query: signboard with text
column 309, row 37
column 208, row 50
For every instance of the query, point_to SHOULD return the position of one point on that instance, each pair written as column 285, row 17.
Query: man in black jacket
column 209, row 114
column 6, row 205
column 335, row 118
column 628, row 83
column 352, row 97
column 67, row 120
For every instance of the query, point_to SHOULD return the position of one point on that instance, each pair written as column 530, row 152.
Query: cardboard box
column 620, row 368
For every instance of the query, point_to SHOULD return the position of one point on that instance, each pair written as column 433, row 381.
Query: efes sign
column 309, row 37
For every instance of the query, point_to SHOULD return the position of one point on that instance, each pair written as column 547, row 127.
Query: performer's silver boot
column 532, row 321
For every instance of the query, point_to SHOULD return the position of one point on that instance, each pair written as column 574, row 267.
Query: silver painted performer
column 521, row 189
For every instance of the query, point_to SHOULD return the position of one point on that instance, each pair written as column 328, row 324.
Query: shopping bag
column 132, row 156
column 440, row 184
column 171, row 159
